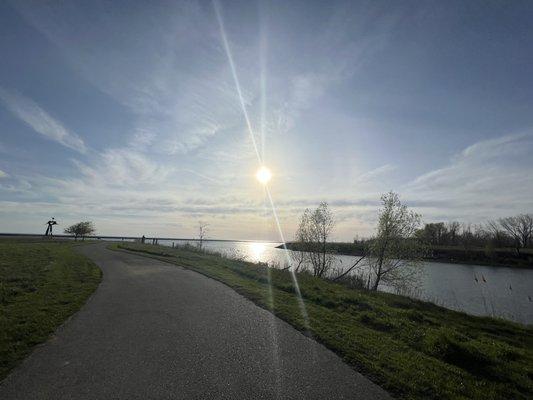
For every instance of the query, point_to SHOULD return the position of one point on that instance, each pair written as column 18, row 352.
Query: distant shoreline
column 446, row 254
column 99, row 237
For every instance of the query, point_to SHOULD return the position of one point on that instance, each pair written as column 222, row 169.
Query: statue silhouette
column 50, row 224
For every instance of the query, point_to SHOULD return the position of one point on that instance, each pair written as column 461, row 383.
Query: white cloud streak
column 124, row 168
column 375, row 173
column 169, row 75
column 40, row 121
column 490, row 178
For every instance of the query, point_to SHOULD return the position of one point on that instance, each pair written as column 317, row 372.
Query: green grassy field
column 415, row 350
column 41, row 285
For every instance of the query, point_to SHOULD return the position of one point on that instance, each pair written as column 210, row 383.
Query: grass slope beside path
column 41, row 285
column 413, row 349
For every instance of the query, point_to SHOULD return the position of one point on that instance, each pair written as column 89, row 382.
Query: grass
column 413, row 349
column 41, row 285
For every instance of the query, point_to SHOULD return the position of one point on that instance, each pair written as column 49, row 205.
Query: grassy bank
column 448, row 254
column 411, row 348
column 41, row 285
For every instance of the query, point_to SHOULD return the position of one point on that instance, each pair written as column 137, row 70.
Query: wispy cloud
column 170, row 76
column 123, row 167
column 340, row 47
column 485, row 179
column 3, row 174
column 374, row 173
column 40, row 121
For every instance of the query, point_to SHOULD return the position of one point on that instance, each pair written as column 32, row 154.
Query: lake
column 478, row 290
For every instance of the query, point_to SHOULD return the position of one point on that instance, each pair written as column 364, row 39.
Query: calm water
column 498, row 291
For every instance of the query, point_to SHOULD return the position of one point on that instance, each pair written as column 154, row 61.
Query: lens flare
column 263, row 175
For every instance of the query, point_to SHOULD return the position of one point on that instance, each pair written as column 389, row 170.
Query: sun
column 263, row 175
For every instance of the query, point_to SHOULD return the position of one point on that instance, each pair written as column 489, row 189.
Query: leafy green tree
column 81, row 229
column 395, row 251
column 313, row 232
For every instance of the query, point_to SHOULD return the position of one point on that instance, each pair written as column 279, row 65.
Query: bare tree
column 313, row 233
column 434, row 233
column 520, row 228
column 81, row 229
column 498, row 236
column 202, row 233
column 299, row 254
column 466, row 237
column 322, row 225
column 395, row 251
column 453, row 231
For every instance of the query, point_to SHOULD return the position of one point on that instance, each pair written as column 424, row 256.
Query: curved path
column 156, row 331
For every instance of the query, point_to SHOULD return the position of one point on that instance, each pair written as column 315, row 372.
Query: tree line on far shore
column 393, row 254
column 509, row 232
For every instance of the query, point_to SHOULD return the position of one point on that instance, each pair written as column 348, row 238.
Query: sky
column 129, row 114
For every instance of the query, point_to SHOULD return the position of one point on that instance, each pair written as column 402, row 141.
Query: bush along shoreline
column 413, row 349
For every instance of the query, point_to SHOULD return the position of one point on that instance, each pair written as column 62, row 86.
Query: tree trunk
column 349, row 269
column 323, row 256
column 375, row 286
column 380, row 263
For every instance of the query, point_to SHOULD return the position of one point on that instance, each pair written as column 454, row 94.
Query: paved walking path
column 156, row 331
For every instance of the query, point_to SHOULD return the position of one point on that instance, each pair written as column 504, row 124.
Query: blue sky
column 127, row 114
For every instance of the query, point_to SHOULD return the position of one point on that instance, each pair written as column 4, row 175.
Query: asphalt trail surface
column 153, row 330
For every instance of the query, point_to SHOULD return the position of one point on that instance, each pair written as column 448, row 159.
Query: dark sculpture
column 50, row 224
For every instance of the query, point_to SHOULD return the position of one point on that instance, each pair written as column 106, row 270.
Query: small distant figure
column 143, row 239
column 50, row 224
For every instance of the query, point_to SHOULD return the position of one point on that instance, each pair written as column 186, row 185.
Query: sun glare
column 256, row 251
column 263, row 175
